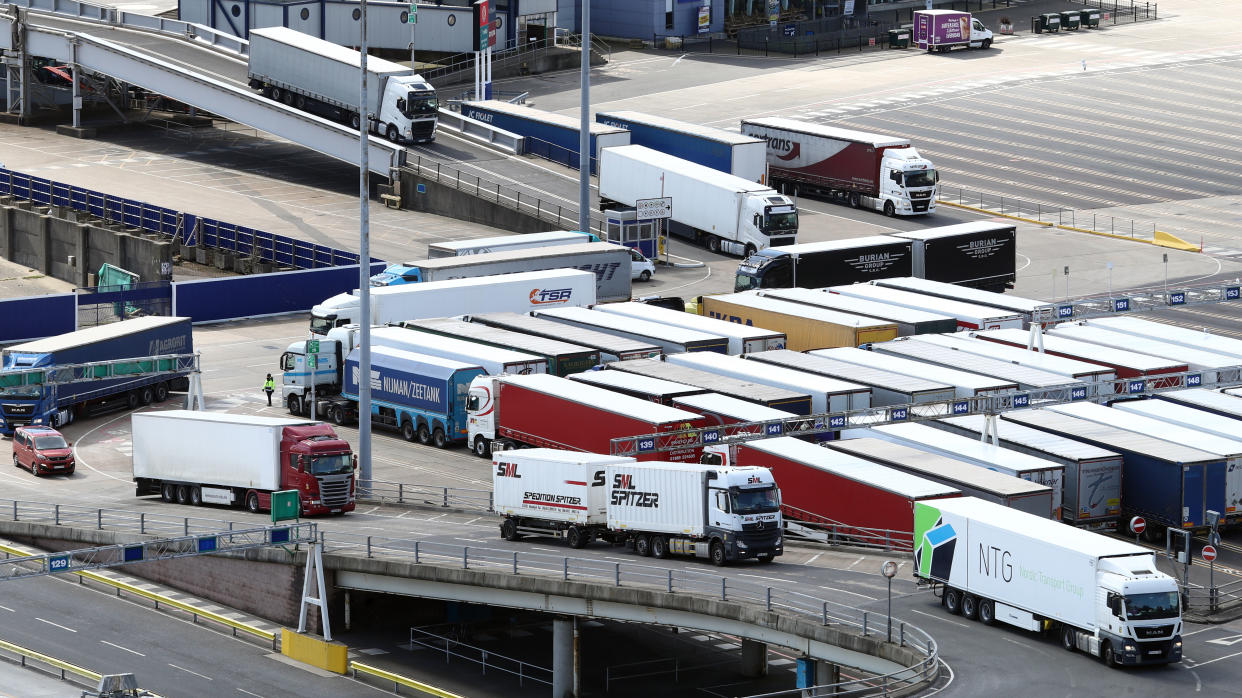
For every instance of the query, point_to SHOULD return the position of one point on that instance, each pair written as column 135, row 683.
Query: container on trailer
column 979, row 254
column 502, row 243
column 969, row 316
column 1098, row 379
column 727, row 151
column 723, row 410
column 964, row 383
column 797, row 402
column 910, row 321
column 548, row 134
column 1220, row 344
column 1127, row 364
column 818, row 264
column 1169, row 484
column 494, row 360
column 887, row 387
column 611, row 347
column 642, row 387
column 805, row 327
column 669, row 338
column 1044, row 311
column 563, row 358
column 1214, row 368
column 1226, row 403
column 972, row 480
column 1091, row 493
column 827, row 394
column 742, row 339
column 552, row 484
column 1027, row 377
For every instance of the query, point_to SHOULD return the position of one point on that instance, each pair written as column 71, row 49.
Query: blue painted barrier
column 231, row 298
column 37, row 316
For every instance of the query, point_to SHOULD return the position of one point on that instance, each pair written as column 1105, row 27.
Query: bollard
column 368, row 546
column 618, row 574
column 723, row 582
column 445, row 497
column 142, row 522
column 864, row 624
column 769, row 598
column 825, row 613
column 56, row 510
column 99, row 518
column 515, row 562
column 565, row 569
column 465, row 558
column 670, row 581
column 416, row 552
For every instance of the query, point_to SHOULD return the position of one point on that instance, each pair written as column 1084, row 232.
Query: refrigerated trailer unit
column 669, row 338
column 825, row 263
column 972, row 480
column 979, row 254
column 1226, row 404
column 742, row 339
column 1091, row 491
column 563, row 358
column 1027, row 307
column 798, row 402
column 647, row 388
column 910, row 321
column 1126, row 364
column 1171, row 485
column 504, row 243
column 611, row 347
column 1027, row 377
column 1200, row 339
column 1099, row 379
column 547, row 134
column 968, row 315
column 964, row 383
column 805, row 327
column 727, row 151
column 887, row 387
column 1214, row 368
column 494, row 360
column 827, row 394
column 723, row 410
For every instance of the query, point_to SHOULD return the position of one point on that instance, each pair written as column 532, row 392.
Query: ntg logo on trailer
column 936, row 542
column 544, row 296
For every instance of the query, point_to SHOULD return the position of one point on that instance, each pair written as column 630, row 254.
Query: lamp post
column 889, row 570
column 584, row 136
column 364, row 266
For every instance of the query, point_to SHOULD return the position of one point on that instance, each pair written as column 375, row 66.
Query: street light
column 889, row 570
column 584, row 136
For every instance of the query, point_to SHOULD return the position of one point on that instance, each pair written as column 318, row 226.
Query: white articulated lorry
column 721, row 513
column 321, row 77
column 1106, row 597
column 720, row 211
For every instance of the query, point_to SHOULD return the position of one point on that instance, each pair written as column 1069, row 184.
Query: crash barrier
column 397, row 680
column 37, row 316
column 308, row 649
column 67, row 671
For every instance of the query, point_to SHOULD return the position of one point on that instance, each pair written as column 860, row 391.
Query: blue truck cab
column 142, row 339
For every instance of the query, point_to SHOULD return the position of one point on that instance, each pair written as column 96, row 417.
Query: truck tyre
column 393, row 134
column 287, row 98
column 424, row 434
column 642, row 546
column 889, row 209
column 273, row 93
column 168, row 493
column 146, row 395
column 337, row 414
column 252, row 502
column 438, row 439
column 855, row 200
column 659, row 547
column 987, row 43
column 953, row 601
column 161, row 391
column 480, row 447
column 1067, row 638
column 576, row 537
column 353, row 121
column 1108, row 656
column 987, row 611
column 295, row 404
column 131, row 400
column 299, row 102
column 407, row 430
column 970, row 606
column 196, row 497
column 183, row 494
column 508, row 530
column 644, row 276
column 713, row 244
column 717, row 553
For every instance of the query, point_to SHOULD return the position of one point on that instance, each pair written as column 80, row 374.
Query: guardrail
column 485, row 133
column 65, row 668
column 406, row 493
column 111, row 16
column 1047, row 213
column 398, row 680
column 525, row 671
column 1212, row 600
column 812, row 526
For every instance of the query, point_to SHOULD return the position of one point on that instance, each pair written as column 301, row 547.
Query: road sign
column 1138, row 524
column 791, row 30
column 1209, row 553
column 312, row 346
column 649, row 209
column 412, row 17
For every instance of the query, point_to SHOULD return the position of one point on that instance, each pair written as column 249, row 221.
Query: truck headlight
column 740, row 544
column 1177, row 644
column 37, row 420
column 1130, row 648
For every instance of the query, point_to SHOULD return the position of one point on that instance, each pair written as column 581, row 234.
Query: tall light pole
column 889, row 570
column 364, row 269
column 584, row 138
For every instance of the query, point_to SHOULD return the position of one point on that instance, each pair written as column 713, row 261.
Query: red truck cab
column 314, row 455
column 42, row 451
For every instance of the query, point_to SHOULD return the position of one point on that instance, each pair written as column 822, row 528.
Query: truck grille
column 920, row 195
column 759, row 538
column 919, row 206
column 18, row 409
column 334, row 492
column 759, row 526
column 1151, row 631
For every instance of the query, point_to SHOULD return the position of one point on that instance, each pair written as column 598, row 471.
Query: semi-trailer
column 1029, row 308
column 642, row 387
column 494, row 360
column 504, row 293
column 1103, row 596
column 669, row 338
column 608, row 262
column 1168, row 484
column 1128, row 365
column 1091, row 488
column 971, row 480
column 965, row 384
column 195, row 457
column 1213, row 367
column 142, row 339
column 887, row 387
column 909, row 320
column 944, row 30
column 725, row 411
column 507, row 243
column 969, row 316
column 552, row 412
column 1027, row 377
column 742, row 339
column 805, row 327
column 818, row 264
column 718, row 210
column 882, row 173
column 990, row 456
column 1099, row 379
column 306, row 72
column 864, row 500
column 1227, row 447
column 797, row 402
column 611, row 347
column 1201, row 339
column 548, row 134
column 1226, row 404
column 979, row 254
column 660, row 509
column 727, row 151
column 563, row 358
column 827, row 394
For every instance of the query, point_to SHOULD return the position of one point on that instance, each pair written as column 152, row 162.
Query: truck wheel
column 717, row 553
column 970, row 606
column 1108, row 656
column 889, row 209
column 713, row 244
column 353, row 121
column 438, row 439
column 273, row 93
column 393, row 134
column 1067, row 638
column 168, row 493
column 987, row 611
column 508, row 530
column 161, row 391
column 196, row 497
column 855, row 200
column 183, row 494
column 576, row 538
column 252, row 502
column 337, row 414
column 131, row 400
column 287, row 98
column 146, row 395
column 659, row 547
column 407, row 430
column 987, row 43
column 424, row 434
column 299, row 102
column 644, row 276
column 295, row 404
column 480, row 447
column 953, row 601
column 642, row 546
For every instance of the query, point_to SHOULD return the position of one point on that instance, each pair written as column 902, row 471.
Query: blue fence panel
column 212, row 300
column 41, row 316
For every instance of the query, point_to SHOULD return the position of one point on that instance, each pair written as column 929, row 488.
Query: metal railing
column 815, row 527
column 405, row 493
column 104, row 14
column 512, row 52
column 673, row 665
column 1212, row 600
column 1048, row 213
column 524, row 671
column 1117, row 9
column 37, row 660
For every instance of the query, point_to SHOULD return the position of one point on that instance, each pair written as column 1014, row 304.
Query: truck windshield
column 21, row 391
column 781, row 222
column 321, row 325
column 331, row 465
column 755, row 501
column 421, row 106
column 44, row 443
column 922, row 178
column 1162, row 604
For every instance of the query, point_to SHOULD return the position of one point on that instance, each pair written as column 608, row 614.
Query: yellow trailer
column 806, row 327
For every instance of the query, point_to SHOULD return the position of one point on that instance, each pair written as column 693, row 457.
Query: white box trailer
column 1157, row 426
column 743, row 339
column 1126, row 363
column 1027, row 377
column 724, row 410
column 997, row 564
column 1225, row 403
column 990, row 456
column 1091, row 488
column 611, row 347
column 669, row 338
column 548, row 491
column 1028, row 307
column 639, row 386
column 969, row 316
column 827, row 394
column 1200, row 339
column 494, row 360
column 503, row 293
column 910, row 321
column 1215, row 368
column 504, row 243
column 887, row 387
column 1099, row 379
column 964, row 383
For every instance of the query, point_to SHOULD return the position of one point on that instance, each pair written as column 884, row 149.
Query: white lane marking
column 472, row 540
column 813, row 558
column 1200, row 630
column 256, row 695
column 770, row 579
column 55, row 624
column 851, row 565
column 190, row 672
column 963, row 625
column 1198, row 681
column 1024, row 266
column 1199, row 664
column 1229, row 641
column 77, row 454
column 8, row 609
column 140, row 654
column 854, row 593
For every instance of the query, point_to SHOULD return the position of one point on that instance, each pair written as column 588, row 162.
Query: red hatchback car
column 42, row 451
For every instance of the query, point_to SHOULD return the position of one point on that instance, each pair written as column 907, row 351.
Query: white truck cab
column 909, row 181
column 409, row 110
column 980, row 36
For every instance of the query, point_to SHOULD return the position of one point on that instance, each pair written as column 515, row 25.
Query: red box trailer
column 1129, row 365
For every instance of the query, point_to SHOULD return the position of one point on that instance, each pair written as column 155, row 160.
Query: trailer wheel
column 353, row 121
column 970, row 606
column 659, row 547
column 273, row 93
column 1067, row 638
column 424, row 434
column 855, row 200
column 480, row 447
column 252, row 502
column 407, row 430
column 642, row 546
column 294, row 404
column 183, row 494
column 438, row 438
column 168, row 493
column 337, row 414
column 131, row 400
column 717, row 553
column 987, row 611
column 299, row 102
column 146, row 395
column 576, row 537
column 889, row 209
column 161, row 391
column 952, row 601
column 196, row 497
column 508, row 530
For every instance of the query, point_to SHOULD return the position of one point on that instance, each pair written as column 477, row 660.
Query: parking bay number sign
column 648, row 209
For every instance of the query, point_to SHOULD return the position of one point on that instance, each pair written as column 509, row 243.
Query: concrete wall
column 445, row 200
column 44, row 239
